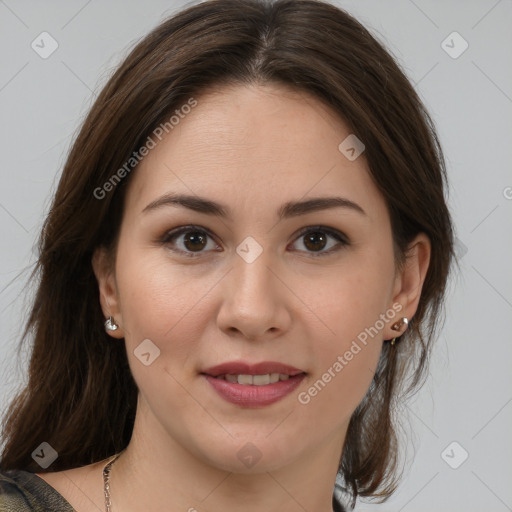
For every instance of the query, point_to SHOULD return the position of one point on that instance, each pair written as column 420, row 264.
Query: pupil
column 314, row 238
column 193, row 239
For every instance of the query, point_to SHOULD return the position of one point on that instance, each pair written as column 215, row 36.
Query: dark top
column 21, row 491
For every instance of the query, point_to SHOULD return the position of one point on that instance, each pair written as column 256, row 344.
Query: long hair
column 81, row 396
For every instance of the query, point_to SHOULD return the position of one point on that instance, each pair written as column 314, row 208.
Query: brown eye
column 194, row 240
column 188, row 240
column 316, row 239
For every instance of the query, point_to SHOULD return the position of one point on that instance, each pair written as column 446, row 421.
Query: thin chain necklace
column 106, row 482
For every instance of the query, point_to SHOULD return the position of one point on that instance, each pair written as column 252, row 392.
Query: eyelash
column 342, row 239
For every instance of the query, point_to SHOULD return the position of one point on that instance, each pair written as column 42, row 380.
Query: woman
column 242, row 272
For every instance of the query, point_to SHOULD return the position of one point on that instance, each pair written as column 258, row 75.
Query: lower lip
column 254, row 396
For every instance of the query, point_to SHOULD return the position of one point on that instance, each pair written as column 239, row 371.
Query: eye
column 315, row 239
column 195, row 239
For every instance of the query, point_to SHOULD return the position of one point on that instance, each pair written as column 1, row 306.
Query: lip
column 250, row 396
column 254, row 396
column 243, row 368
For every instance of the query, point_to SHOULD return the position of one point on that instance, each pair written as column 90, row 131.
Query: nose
column 255, row 300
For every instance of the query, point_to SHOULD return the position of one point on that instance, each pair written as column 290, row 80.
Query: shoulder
column 21, row 491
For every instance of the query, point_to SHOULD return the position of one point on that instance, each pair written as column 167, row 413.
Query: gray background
column 468, row 396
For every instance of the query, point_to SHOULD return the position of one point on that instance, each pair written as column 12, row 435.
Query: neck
column 155, row 473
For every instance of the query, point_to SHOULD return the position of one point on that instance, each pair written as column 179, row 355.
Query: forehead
column 252, row 146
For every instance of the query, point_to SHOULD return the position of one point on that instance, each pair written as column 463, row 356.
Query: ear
column 409, row 281
column 109, row 299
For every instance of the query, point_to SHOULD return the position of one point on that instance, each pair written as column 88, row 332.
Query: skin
column 252, row 148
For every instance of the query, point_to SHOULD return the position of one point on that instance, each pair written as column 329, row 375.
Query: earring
column 110, row 324
column 397, row 326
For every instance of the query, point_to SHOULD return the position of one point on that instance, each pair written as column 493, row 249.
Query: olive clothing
column 21, row 491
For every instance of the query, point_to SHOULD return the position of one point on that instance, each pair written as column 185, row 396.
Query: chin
column 245, row 454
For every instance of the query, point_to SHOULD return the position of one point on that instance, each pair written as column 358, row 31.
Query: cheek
column 168, row 306
column 352, row 307
column 344, row 362
column 352, row 297
column 160, row 301
column 335, row 394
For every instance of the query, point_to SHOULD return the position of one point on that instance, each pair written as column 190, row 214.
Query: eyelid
column 171, row 233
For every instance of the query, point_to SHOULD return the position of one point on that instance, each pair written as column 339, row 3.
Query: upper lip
column 243, row 368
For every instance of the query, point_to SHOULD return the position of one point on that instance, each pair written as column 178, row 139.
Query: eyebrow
column 287, row 210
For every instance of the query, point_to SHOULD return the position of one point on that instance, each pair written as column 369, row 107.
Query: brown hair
column 81, row 397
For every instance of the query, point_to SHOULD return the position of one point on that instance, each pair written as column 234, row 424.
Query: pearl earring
column 110, row 324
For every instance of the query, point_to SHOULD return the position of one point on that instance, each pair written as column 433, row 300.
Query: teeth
column 245, row 379
column 260, row 380
column 255, row 380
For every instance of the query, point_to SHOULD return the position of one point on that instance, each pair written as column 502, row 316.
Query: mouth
column 255, row 385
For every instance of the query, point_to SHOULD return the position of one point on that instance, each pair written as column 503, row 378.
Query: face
column 312, row 291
